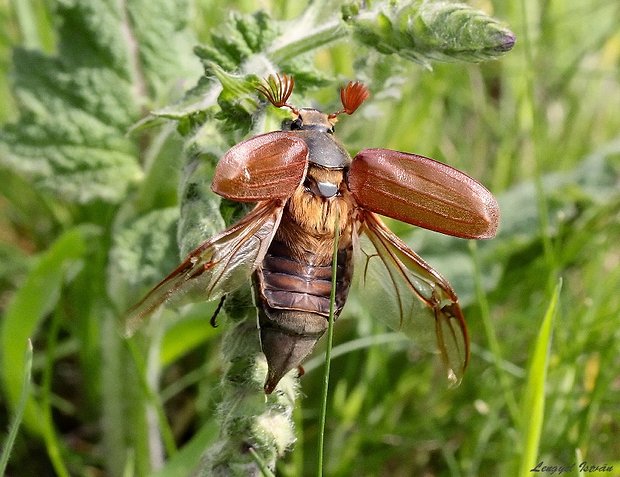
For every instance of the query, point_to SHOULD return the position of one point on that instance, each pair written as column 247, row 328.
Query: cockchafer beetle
column 303, row 181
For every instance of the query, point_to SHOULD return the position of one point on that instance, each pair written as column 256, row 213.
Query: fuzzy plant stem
column 251, row 423
column 311, row 40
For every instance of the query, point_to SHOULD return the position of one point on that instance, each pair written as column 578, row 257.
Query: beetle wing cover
column 423, row 192
column 218, row 266
column 411, row 297
column 264, row 167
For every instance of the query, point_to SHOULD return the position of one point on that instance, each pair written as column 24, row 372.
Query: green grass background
column 540, row 127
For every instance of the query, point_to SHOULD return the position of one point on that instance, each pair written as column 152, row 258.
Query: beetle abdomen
column 293, row 298
column 293, row 284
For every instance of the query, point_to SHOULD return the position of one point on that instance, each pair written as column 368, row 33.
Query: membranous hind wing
column 218, row 266
column 409, row 296
column 414, row 298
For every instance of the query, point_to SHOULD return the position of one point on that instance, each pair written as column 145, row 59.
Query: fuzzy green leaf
column 237, row 40
column 76, row 107
column 239, row 53
column 200, row 214
column 423, row 31
column 143, row 251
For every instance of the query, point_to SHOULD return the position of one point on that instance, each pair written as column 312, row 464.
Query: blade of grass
column 578, row 458
column 29, row 307
column 538, row 134
column 491, row 336
column 27, row 20
column 328, row 350
column 532, row 412
column 184, row 461
column 390, row 338
column 153, row 398
column 53, row 443
column 123, row 404
column 19, row 410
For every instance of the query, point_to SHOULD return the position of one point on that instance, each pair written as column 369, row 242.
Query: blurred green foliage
column 89, row 206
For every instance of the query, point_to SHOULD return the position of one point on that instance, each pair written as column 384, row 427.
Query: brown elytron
column 303, row 181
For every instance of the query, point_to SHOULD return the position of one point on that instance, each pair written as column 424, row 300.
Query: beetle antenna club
column 277, row 89
column 352, row 96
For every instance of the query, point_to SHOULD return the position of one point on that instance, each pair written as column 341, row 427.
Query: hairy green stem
column 310, row 41
column 249, row 420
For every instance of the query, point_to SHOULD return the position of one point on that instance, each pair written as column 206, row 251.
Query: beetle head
column 278, row 88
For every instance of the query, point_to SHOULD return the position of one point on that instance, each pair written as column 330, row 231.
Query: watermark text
column 559, row 469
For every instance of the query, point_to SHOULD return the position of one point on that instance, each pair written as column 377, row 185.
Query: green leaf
column 31, row 303
column 238, row 100
column 184, row 335
column 76, row 107
column 423, row 31
column 192, row 107
column 19, row 411
column 200, row 207
column 143, row 251
column 237, row 40
column 14, row 264
column 246, row 46
column 533, row 409
column 184, row 461
column 165, row 44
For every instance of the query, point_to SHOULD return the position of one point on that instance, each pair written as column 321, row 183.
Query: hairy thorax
column 308, row 226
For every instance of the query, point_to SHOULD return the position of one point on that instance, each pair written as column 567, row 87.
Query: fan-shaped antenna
column 352, row 96
column 277, row 89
